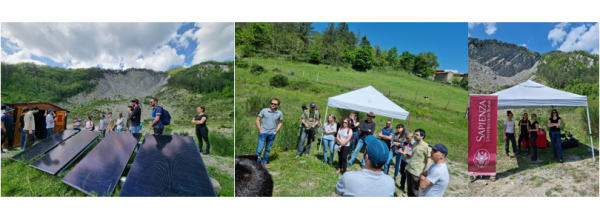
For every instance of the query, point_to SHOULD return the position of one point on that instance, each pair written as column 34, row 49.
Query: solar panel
column 44, row 146
column 99, row 171
column 59, row 157
column 168, row 166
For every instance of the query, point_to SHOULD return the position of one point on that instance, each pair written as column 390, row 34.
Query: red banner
column 483, row 119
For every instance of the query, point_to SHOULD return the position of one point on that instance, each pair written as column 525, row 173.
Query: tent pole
column 323, row 131
column 392, row 123
column 590, row 128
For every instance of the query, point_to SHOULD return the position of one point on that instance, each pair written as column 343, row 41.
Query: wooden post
column 416, row 95
column 449, row 102
column 401, row 91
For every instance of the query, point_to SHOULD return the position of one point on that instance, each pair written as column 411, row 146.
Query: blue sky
column 158, row 46
column 446, row 40
column 541, row 37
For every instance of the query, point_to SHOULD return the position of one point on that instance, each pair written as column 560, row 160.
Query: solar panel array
column 59, row 157
column 44, row 146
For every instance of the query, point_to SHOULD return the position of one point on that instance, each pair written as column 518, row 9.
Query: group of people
column 528, row 131
column 132, row 123
column 349, row 138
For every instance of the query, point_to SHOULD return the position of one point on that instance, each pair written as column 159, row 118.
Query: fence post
column 401, row 91
column 449, row 102
column 416, row 95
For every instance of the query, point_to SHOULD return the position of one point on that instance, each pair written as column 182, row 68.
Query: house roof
column 41, row 105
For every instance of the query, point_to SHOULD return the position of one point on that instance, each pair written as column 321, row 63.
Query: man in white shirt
column 435, row 180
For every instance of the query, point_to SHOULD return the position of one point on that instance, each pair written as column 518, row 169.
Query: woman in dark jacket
column 524, row 132
column 533, row 129
column 555, row 123
column 201, row 129
column 397, row 145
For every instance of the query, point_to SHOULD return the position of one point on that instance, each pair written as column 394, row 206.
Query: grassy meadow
column 253, row 92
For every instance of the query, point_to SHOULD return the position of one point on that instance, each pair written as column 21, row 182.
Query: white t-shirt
column 438, row 175
column 344, row 134
column 89, row 124
column 49, row 124
column 510, row 126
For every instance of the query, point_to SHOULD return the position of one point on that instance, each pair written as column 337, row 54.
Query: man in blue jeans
column 272, row 120
column 136, row 116
column 22, row 124
column 50, row 119
column 367, row 127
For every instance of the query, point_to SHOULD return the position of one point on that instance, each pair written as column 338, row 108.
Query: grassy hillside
column 254, row 91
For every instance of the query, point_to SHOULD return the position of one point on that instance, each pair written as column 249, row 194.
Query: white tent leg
column 323, row 131
column 590, row 128
column 392, row 123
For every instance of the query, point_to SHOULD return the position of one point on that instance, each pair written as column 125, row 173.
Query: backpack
column 165, row 118
column 317, row 116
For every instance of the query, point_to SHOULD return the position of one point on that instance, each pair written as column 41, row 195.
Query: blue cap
column 313, row 105
column 440, row 147
column 377, row 150
column 50, row 110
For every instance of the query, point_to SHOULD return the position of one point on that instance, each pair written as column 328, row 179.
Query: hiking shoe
column 297, row 156
column 560, row 160
column 324, row 163
column 266, row 166
column 507, row 155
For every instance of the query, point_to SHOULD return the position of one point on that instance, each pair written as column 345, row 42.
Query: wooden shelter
column 40, row 120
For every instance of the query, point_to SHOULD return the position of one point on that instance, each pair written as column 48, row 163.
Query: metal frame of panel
column 168, row 165
column 43, row 150
column 82, row 141
column 79, row 176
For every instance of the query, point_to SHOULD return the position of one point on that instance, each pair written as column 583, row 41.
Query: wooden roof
column 41, row 105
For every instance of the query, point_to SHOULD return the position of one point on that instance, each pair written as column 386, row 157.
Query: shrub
column 315, row 89
column 257, row 69
column 300, row 84
column 279, row 81
column 256, row 103
column 276, row 70
column 337, row 69
column 593, row 106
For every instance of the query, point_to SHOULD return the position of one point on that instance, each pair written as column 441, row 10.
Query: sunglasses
column 277, row 104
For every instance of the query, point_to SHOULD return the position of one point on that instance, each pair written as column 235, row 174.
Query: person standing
column 533, row 129
column 367, row 128
column 50, row 119
column 386, row 134
column 509, row 134
column 329, row 131
column 128, row 121
column 77, row 124
column 310, row 119
column 111, row 122
column 119, row 123
column 397, row 144
column 524, row 133
column 89, row 125
column 354, row 124
column 406, row 154
column 201, row 129
column 434, row 180
column 30, row 127
column 8, row 128
column 344, row 141
column 157, row 111
column 103, row 124
column 417, row 164
column 136, row 116
column 272, row 119
column 370, row 181
column 555, row 123
column 22, row 124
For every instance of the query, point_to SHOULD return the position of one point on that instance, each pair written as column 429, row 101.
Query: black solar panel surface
column 168, row 166
column 99, row 171
column 57, row 158
column 44, row 146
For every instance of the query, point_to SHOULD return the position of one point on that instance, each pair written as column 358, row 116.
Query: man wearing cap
column 272, row 119
column 435, row 180
column 135, row 116
column 370, row 181
column 311, row 120
column 367, row 127
column 8, row 128
column 29, row 126
column 418, row 162
column 50, row 119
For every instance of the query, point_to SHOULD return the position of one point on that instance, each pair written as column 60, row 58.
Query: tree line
column 206, row 77
column 336, row 45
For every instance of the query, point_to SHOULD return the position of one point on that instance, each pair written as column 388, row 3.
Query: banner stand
column 483, row 121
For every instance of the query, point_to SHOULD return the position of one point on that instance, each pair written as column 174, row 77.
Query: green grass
column 448, row 127
column 227, row 183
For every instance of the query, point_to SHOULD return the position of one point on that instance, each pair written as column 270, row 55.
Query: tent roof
column 366, row 100
column 533, row 94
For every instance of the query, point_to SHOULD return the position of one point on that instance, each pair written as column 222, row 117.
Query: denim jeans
column 136, row 129
column 49, row 132
column 556, row 144
column 263, row 138
column 22, row 136
column 328, row 147
column 386, row 168
column 307, row 136
column 359, row 146
column 103, row 133
column 119, row 129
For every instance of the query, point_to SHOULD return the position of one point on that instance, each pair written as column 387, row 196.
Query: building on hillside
column 448, row 76
column 40, row 120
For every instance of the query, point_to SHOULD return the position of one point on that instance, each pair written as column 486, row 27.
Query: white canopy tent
column 531, row 94
column 367, row 100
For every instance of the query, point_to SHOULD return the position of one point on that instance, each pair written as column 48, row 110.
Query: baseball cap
column 135, row 101
column 50, row 110
column 377, row 150
column 440, row 147
column 313, row 105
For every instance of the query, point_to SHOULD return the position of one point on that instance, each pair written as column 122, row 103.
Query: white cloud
column 490, row 27
column 215, row 41
column 110, row 45
column 524, row 45
column 18, row 57
column 469, row 34
column 161, row 59
column 451, row 70
column 582, row 38
column 557, row 35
